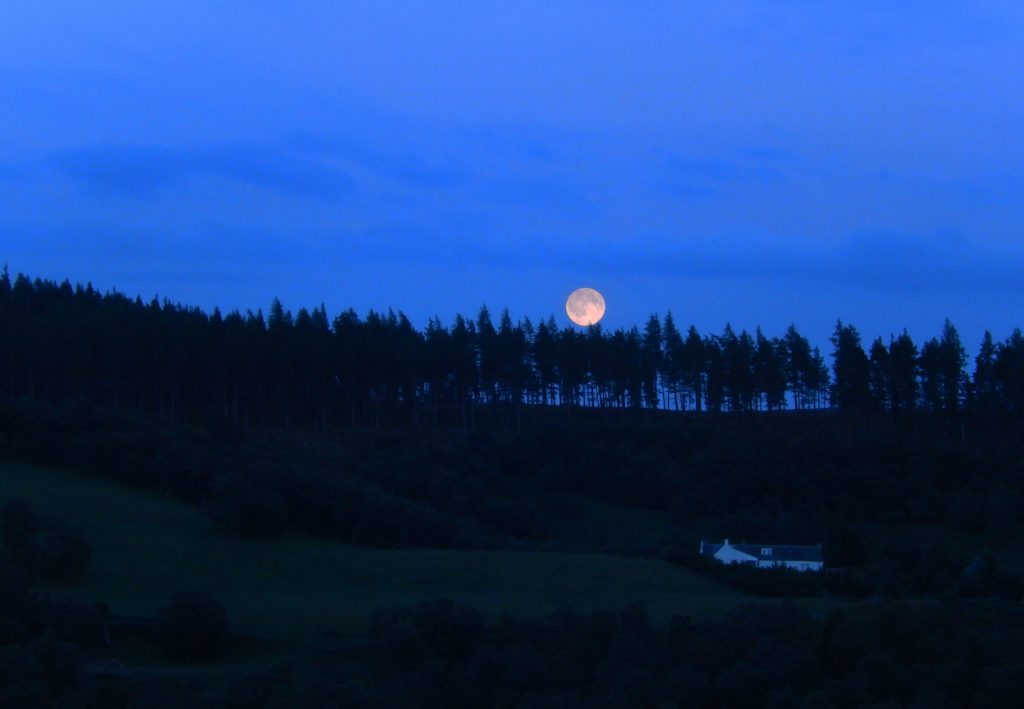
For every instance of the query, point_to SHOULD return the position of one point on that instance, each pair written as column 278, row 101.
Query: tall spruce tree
column 651, row 362
column 1009, row 373
column 694, row 365
column 903, row 378
column 879, row 375
column 952, row 359
column 983, row 383
column 851, row 390
column 672, row 363
column 797, row 366
column 929, row 364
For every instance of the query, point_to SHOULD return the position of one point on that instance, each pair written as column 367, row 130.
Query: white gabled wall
column 728, row 554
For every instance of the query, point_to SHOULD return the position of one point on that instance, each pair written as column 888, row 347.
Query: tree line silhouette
column 60, row 343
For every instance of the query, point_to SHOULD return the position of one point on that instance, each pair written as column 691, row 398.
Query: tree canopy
column 60, row 342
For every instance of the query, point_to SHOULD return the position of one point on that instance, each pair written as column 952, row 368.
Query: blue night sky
column 750, row 162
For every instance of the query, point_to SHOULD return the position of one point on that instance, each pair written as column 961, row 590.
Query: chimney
column 701, row 546
column 726, row 543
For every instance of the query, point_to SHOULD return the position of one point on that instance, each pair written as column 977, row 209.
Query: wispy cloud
column 708, row 175
column 143, row 171
column 881, row 260
column 877, row 260
column 393, row 162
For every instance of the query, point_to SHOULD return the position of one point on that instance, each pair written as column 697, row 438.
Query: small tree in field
column 193, row 628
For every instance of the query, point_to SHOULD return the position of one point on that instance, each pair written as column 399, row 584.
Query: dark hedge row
column 443, row 655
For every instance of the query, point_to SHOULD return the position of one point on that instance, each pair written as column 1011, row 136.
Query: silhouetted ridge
column 62, row 343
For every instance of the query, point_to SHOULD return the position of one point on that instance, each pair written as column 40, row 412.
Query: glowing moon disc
column 585, row 306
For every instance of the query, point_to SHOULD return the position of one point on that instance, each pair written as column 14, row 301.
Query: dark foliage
column 193, row 628
column 44, row 646
column 243, row 382
column 893, row 654
column 805, row 478
column 487, row 434
column 43, row 548
column 60, row 343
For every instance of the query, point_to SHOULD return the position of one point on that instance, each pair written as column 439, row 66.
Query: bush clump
column 42, row 548
column 193, row 628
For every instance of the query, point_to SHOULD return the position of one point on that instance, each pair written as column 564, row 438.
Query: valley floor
column 298, row 592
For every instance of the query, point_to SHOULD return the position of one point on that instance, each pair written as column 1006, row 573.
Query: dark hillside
column 799, row 477
column 320, row 471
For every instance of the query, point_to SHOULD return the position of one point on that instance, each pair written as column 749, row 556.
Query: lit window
column 766, row 551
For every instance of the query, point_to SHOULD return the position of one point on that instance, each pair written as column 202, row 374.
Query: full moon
column 585, row 306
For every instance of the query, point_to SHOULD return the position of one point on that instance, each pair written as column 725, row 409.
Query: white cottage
column 801, row 558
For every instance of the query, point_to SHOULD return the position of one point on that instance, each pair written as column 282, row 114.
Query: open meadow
column 146, row 547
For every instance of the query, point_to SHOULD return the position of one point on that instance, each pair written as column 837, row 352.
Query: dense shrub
column 20, row 527
column 193, row 628
column 44, row 645
column 758, row 655
column 63, row 554
column 983, row 578
column 44, row 548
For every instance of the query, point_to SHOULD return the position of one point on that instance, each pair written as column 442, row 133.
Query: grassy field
column 146, row 547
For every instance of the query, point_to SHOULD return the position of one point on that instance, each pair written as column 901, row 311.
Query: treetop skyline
column 308, row 370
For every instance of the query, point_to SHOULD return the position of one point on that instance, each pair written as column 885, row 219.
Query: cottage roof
column 775, row 552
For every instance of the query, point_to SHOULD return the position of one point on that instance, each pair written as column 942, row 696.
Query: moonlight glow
column 585, row 306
